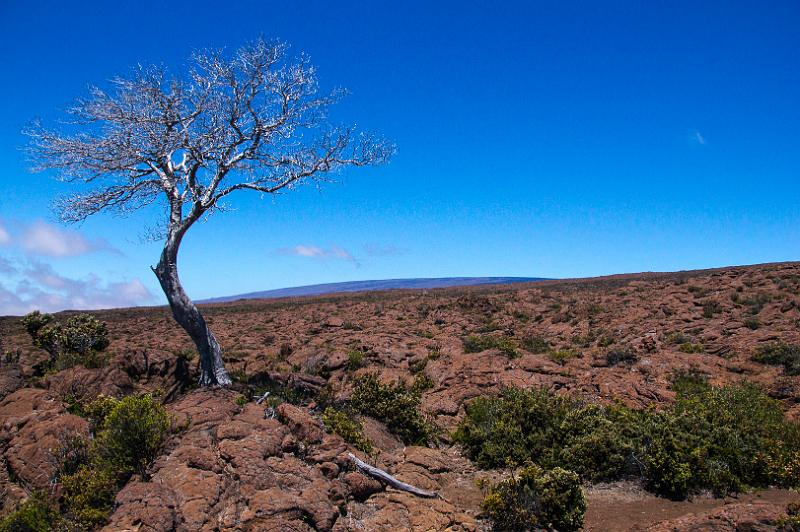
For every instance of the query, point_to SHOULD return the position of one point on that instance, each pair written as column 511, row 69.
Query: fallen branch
column 383, row 476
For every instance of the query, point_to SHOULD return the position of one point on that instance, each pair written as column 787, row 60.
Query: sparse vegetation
column 348, row 427
column 535, row 344
column 710, row 308
column 626, row 356
column 35, row 514
column 537, row 499
column 561, row 356
column 478, row 343
column 355, row 359
column 689, row 347
column 780, row 354
column 396, row 406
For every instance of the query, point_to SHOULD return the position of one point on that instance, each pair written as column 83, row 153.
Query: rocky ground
column 229, row 468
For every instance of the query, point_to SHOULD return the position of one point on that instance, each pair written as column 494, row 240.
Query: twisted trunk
column 212, row 369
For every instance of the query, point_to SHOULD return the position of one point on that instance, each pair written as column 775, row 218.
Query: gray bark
column 188, row 316
column 383, row 476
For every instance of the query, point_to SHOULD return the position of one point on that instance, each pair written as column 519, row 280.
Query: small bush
column 535, row 344
column 422, row 383
column 752, row 323
column 790, row 523
column 34, row 515
column 89, row 494
column 710, row 308
column 561, row 356
column 355, row 359
column 348, row 428
column 74, row 452
column 394, row 405
column 478, row 343
column 689, row 347
column 621, row 356
column 780, row 354
column 133, row 432
column 536, row 499
column 79, row 340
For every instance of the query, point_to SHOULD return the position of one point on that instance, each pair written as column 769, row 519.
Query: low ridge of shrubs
column 718, row 439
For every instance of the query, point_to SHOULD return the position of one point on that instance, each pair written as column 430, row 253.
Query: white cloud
column 5, row 238
column 40, row 287
column 41, row 238
column 314, row 252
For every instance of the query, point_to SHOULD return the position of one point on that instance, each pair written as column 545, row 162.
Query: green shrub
column 34, row 515
column 535, row 344
column 561, row 356
column 81, row 339
column 790, row 523
column 346, row 426
column 394, row 405
column 130, row 433
column 477, row 343
column 89, row 494
column 621, row 356
column 689, row 381
column 710, row 308
column 355, row 359
column 780, row 354
column 689, row 347
column 538, row 426
column 676, row 338
column 418, row 366
column 422, row 383
column 83, row 333
column 721, row 439
column 133, row 433
column 536, row 499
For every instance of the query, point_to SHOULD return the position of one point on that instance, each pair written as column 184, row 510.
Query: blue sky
column 555, row 139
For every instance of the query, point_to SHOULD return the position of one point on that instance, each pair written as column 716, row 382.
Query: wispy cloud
column 5, row 238
column 44, row 239
column 40, row 287
column 6, row 266
column 315, row 252
column 698, row 138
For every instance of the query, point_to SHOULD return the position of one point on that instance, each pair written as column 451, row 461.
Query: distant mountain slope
column 361, row 286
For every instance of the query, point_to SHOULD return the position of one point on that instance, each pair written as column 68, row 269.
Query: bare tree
column 254, row 121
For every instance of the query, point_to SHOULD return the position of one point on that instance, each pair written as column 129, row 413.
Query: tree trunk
column 212, row 369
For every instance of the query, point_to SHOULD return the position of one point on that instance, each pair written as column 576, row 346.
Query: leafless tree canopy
column 251, row 122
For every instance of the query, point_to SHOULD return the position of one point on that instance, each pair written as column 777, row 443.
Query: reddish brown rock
column 302, row 425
